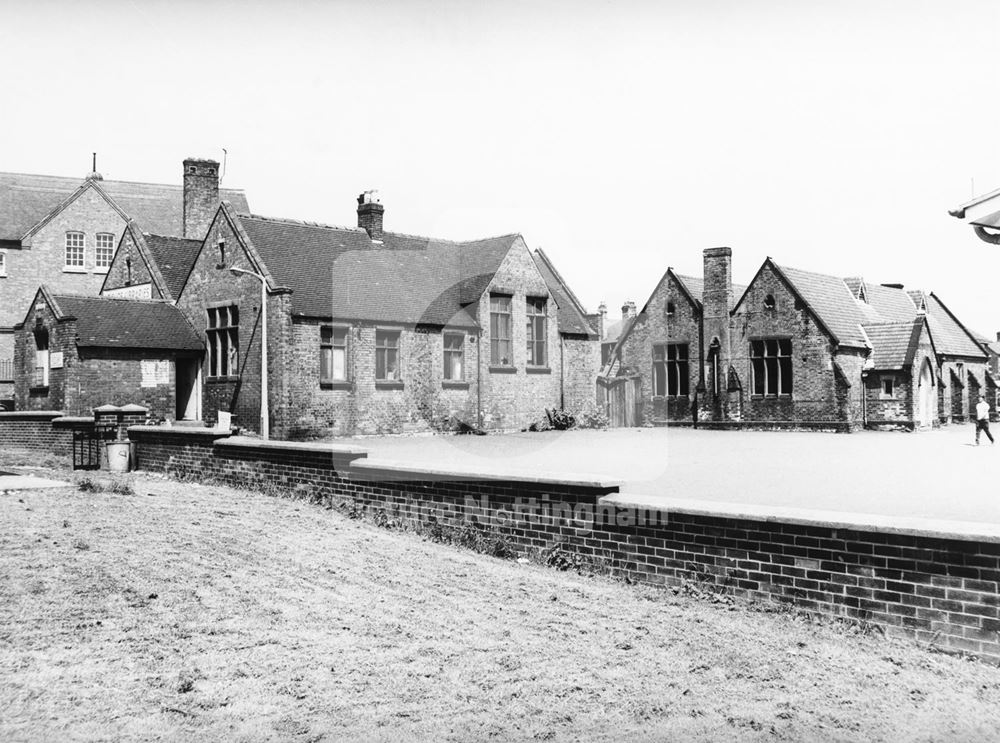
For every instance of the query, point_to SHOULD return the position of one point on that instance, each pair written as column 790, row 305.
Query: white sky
column 620, row 137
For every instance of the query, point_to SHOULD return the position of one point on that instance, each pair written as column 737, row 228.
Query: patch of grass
column 114, row 485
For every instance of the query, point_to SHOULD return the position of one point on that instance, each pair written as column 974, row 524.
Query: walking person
column 983, row 419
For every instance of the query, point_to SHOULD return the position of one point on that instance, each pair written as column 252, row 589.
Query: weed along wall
column 925, row 580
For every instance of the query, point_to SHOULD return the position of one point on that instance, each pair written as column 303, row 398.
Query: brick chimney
column 717, row 298
column 628, row 310
column 201, row 196
column 370, row 211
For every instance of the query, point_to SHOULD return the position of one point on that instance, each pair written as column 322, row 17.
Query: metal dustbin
column 120, row 456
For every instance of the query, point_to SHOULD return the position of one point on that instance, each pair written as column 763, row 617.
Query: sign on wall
column 154, row 373
column 139, row 291
column 56, row 360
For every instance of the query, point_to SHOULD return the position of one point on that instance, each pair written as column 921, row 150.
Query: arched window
column 670, row 309
column 769, row 303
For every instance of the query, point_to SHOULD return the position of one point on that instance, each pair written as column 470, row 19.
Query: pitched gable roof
column 27, row 199
column 106, row 322
column 340, row 272
column 572, row 316
column 894, row 344
column 696, row 287
column 950, row 336
column 174, row 257
column 831, row 302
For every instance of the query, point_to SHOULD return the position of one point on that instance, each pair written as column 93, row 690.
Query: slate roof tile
column 340, row 272
column 174, row 256
column 26, row 199
column 106, row 322
column 832, row 301
column 894, row 343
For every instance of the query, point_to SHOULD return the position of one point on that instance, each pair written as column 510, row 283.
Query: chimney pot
column 370, row 212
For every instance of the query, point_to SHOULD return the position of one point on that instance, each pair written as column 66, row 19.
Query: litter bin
column 119, row 456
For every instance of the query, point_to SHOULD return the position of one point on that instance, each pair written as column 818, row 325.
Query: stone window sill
column 537, row 370
column 338, row 385
column 782, row 396
column 454, row 384
column 74, row 269
column 503, row 370
column 388, row 385
column 101, row 269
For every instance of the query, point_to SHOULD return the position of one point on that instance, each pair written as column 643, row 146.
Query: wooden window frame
column 386, row 350
column 71, row 248
column 222, row 341
column 109, row 247
column 771, row 369
column 450, row 354
column 537, row 312
column 501, row 320
column 330, row 345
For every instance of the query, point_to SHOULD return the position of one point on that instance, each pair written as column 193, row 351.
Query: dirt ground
column 936, row 474
column 187, row 612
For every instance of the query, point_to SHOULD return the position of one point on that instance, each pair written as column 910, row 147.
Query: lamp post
column 264, row 411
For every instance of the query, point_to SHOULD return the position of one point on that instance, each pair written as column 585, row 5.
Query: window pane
column 771, row 365
column 340, row 364
column 326, row 335
column 326, row 364
column 682, row 371
column 786, row 375
column 759, row 376
column 659, row 381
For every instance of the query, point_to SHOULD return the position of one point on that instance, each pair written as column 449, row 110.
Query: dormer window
column 769, row 303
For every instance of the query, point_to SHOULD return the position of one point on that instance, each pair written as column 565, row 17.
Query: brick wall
column 119, row 273
column 44, row 261
column 654, row 326
column 35, row 431
column 211, row 284
column 935, row 586
column 29, row 394
column 819, row 394
column 515, row 397
column 581, row 363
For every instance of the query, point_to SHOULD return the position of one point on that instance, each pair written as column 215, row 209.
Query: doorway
column 188, row 389
column 926, row 397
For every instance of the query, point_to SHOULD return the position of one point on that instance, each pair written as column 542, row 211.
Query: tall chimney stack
column 717, row 298
column 201, row 196
column 370, row 211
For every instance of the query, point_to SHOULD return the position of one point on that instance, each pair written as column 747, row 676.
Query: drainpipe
column 562, row 373
column 479, row 381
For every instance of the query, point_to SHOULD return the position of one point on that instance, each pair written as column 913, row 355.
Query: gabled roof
column 891, row 303
column 340, row 272
column 572, row 316
column 950, row 336
column 104, row 322
column 894, row 344
column 831, row 302
column 174, row 257
column 27, row 199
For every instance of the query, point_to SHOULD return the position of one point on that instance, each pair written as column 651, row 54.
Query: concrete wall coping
column 181, row 430
column 31, row 414
column 402, row 470
column 73, row 419
column 967, row 531
column 246, row 442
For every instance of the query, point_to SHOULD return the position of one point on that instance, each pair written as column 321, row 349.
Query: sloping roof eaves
column 950, row 335
column 104, row 322
column 572, row 318
column 831, row 302
column 340, row 272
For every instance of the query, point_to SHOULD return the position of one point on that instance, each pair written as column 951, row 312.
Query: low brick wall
column 907, row 576
column 36, row 431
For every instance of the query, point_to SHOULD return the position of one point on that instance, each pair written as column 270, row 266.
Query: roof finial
column 94, row 175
